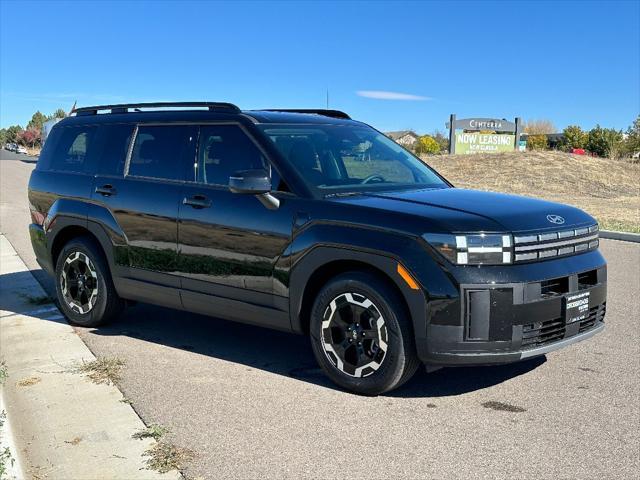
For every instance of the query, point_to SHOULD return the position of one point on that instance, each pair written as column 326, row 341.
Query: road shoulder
column 63, row 424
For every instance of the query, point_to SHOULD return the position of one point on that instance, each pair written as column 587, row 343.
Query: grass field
column 607, row 189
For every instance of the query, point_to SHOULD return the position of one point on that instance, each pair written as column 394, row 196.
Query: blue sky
column 573, row 62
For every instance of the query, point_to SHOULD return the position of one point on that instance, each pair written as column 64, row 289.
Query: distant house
column 407, row 138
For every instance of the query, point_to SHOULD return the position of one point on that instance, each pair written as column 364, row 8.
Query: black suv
column 309, row 222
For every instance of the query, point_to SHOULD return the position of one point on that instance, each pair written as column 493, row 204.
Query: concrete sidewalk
column 64, row 425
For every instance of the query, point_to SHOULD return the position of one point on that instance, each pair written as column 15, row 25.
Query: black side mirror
column 251, row 182
column 254, row 182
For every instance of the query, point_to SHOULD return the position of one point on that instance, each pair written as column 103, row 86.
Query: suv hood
column 468, row 210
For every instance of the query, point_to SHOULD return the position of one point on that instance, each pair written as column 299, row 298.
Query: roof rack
column 326, row 113
column 124, row 107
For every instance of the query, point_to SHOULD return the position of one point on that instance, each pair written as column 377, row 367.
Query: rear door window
column 72, row 149
column 113, row 146
column 163, row 151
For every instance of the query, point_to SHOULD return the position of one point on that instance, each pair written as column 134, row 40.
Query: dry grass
column 607, row 189
column 164, row 457
column 103, row 370
column 152, row 431
column 28, row 382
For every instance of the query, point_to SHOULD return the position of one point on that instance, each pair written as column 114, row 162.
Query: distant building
column 408, row 138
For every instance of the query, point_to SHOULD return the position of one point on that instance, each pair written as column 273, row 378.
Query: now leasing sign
column 484, row 142
column 465, row 135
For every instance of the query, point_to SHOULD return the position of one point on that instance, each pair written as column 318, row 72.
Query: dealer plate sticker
column 577, row 307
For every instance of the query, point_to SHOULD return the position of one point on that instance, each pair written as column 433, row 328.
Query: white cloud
column 383, row 95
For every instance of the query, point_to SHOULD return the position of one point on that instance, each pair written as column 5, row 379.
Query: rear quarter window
column 72, row 147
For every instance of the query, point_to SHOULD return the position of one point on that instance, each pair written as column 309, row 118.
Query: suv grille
column 541, row 333
column 540, row 246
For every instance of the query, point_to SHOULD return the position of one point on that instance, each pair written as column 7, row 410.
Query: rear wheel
column 84, row 286
column 361, row 334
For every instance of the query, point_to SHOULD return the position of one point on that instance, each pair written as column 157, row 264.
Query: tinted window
column 48, row 149
column 349, row 158
column 72, row 148
column 161, row 152
column 113, row 146
column 224, row 150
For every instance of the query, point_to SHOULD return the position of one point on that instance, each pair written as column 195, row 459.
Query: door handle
column 197, row 201
column 106, row 190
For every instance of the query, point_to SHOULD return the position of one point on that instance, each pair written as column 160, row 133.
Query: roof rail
column 124, row 107
column 326, row 113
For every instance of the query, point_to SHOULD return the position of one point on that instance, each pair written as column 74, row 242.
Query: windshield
column 350, row 158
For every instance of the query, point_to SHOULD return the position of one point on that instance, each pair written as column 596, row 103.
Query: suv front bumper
column 503, row 323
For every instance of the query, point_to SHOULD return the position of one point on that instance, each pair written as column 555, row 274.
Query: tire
column 355, row 349
column 99, row 302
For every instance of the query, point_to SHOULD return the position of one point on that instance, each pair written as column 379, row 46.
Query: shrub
column 537, row 142
column 575, row 137
column 605, row 142
column 538, row 130
column 442, row 139
column 632, row 143
column 427, row 145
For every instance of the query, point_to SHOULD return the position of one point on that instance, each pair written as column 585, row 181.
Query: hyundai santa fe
column 309, row 222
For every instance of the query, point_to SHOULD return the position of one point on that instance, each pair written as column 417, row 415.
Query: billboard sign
column 484, row 142
column 483, row 135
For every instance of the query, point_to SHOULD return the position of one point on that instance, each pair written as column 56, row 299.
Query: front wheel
column 84, row 286
column 361, row 334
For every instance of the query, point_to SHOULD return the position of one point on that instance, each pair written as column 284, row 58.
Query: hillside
column 607, row 189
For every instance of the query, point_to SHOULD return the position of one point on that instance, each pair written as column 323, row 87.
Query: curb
column 62, row 424
column 624, row 236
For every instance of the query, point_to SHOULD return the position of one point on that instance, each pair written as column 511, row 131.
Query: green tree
column 59, row 113
column 605, row 142
column 632, row 143
column 13, row 132
column 3, row 137
column 427, row 145
column 575, row 137
column 37, row 120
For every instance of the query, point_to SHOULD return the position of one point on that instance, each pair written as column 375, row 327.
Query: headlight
column 473, row 249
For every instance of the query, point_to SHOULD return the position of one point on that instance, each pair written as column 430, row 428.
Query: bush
column 537, row 142
column 442, row 139
column 632, row 143
column 605, row 142
column 426, row 144
column 538, row 130
column 574, row 137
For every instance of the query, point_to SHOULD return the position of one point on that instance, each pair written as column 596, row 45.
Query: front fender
column 320, row 244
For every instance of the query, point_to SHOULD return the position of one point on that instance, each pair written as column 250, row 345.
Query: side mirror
column 251, row 182
column 254, row 182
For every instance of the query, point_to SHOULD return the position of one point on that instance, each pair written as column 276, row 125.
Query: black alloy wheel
column 361, row 333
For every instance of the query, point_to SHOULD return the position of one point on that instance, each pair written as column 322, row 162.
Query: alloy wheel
column 79, row 282
column 354, row 335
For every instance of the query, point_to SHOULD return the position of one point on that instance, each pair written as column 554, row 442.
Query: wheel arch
column 325, row 262
column 64, row 227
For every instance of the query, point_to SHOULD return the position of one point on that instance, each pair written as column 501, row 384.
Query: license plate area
column 576, row 307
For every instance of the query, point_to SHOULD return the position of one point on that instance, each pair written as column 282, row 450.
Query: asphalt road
column 251, row 403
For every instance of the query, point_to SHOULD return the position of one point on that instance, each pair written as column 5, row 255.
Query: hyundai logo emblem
column 557, row 219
